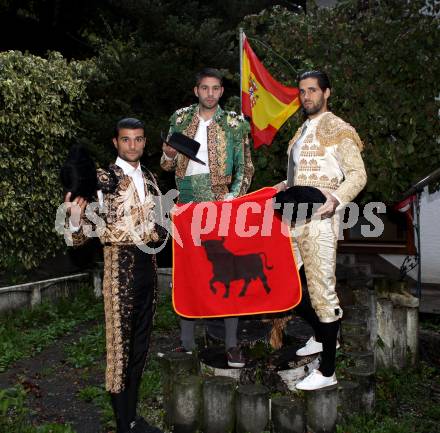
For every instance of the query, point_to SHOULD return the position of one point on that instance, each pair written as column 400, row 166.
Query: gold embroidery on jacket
column 317, row 182
column 352, row 165
column 308, row 165
column 312, row 150
column 217, row 155
column 248, row 167
column 182, row 160
column 294, row 139
column 331, row 130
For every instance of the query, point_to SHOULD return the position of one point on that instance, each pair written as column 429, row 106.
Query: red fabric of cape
column 234, row 259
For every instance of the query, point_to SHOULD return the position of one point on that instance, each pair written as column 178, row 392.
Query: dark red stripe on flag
column 283, row 93
column 263, row 136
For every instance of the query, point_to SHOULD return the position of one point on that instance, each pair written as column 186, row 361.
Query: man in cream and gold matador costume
column 324, row 153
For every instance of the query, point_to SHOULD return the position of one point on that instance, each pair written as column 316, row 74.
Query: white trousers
column 315, row 243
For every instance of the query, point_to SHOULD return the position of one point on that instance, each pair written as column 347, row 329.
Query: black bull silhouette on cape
column 228, row 267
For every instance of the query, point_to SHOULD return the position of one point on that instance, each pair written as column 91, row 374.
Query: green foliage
column 151, row 385
column 12, row 410
column 40, row 102
column 260, row 351
column 88, row 349
column 403, row 403
column 26, row 332
column 149, row 395
column 101, row 398
column 165, row 318
column 370, row 424
column 91, row 393
column 14, row 415
column 54, row 428
column 11, row 399
column 148, row 56
column 432, row 323
column 385, row 83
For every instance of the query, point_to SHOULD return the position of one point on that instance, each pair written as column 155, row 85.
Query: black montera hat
column 183, row 144
column 78, row 174
column 296, row 195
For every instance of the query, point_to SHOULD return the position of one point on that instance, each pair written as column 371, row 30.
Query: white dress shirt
column 201, row 137
column 135, row 174
column 297, row 146
column 129, row 170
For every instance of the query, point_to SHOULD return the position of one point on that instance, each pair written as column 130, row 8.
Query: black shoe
column 235, row 358
column 178, row 349
column 141, row 426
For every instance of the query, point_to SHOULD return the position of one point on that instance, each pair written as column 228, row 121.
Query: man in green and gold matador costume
column 225, row 149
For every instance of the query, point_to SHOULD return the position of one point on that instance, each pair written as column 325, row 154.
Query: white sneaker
column 312, row 346
column 315, row 380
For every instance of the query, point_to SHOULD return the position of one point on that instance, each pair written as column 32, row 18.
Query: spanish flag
column 267, row 102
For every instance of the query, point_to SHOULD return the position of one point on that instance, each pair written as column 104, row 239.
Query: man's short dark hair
column 322, row 77
column 128, row 123
column 209, row 72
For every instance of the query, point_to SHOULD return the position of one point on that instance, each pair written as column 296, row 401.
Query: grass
column 88, row 349
column 26, row 332
column 151, row 385
column 403, row 403
column 430, row 322
column 150, row 399
column 14, row 415
column 165, row 318
column 403, row 399
column 100, row 397
column 150, row 394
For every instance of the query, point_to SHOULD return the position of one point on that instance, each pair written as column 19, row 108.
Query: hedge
column 40, row 102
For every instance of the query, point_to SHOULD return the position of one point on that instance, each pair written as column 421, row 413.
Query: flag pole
column 241, row 33
column 268, row 47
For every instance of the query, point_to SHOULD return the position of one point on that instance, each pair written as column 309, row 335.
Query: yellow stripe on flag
column 267, row 110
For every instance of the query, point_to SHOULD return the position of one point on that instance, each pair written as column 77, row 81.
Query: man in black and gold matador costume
column 126, row 206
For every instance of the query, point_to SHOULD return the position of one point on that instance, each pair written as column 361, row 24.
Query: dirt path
column 53, row 384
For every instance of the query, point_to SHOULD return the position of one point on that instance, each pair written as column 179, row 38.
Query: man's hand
column 228, row 197
column 75, row 209
column 169, row 151
column 280, row 186
column 327, row 210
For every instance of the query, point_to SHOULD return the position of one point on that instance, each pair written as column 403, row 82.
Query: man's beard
column 314, row 108
column 207, row 106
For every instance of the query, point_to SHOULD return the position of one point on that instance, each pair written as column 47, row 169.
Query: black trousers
column 325, row 333
column 124, row 403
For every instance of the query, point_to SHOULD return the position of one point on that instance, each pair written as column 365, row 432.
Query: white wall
column 430, row 240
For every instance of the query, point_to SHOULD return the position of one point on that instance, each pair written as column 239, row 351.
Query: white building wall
column 430, row 240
